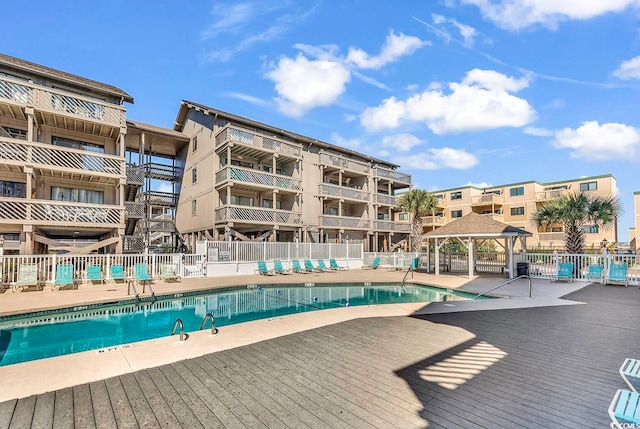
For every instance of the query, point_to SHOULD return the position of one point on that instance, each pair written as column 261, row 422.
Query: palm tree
column 576, row 210
column 417, row 203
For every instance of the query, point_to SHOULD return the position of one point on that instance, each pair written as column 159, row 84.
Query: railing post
column 108, row 267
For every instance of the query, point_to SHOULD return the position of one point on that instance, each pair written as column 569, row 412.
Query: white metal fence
column 242, row 251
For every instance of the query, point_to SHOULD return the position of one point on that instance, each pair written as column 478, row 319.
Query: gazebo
column 473, row 227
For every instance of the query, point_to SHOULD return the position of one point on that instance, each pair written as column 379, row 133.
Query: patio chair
column 168, row 273
column 64, row 277
column 263, row 270
column 596, row 272
column 323, row 267
column 334, row 265
column 625, row 408
column 27, row 277
column 415, row 263
column 141, row 274
column 297, row 268
column 309, row 266
column 117, row 273
column 630, row 373
column 279, row 269
column 374, row 265
column 617, row 274
column 94, row 274
column 565, row 272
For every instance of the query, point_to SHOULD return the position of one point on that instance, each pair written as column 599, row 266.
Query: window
column 591, row 229
column 589, row 186
column 194, row 207
column 514, row 192
column 241, row 163
column 440, row 197
column 59, row 193
column 194, row 175
column 403, row 216
column 13, row 189
column 268, row 204
column 14, row 133
column 241, row 201
column 456, row 195
column 194, row 144
column 517, row 211
column 456, row 213
column 77, row 144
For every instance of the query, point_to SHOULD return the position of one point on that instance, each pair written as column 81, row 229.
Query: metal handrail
column 506, row 283
column 131, row 284
column 214, row 331
column 405, row 276
column 176, row 325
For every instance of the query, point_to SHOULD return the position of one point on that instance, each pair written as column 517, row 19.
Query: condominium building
column 245, row 180
column 516, row 203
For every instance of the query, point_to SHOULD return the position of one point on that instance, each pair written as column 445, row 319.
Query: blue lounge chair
column 27, row 277
column 263, row 270
column 565, row 272
column 630, row 373
column 141, row 274
column 279, row 269
column 117, row 273
column 596, row 272
column 334, row 265
column 309, row 266
column 323, row 267
column 625, row 408
column 64, row 277
column 617, row 274
column 415, row 263
column 297, row 268
column 374, row 265
column 94, row 274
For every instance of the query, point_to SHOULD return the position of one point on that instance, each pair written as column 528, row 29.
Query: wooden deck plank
column 63, row 417
column 83, row 407
column 164, row 414
column 178, row 406
column 43, row 413
column 125, row 418
column 23, row 413
column 102, row 409
column 7, row 409
column 145, row 416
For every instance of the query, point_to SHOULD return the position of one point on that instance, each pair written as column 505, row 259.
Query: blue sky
column 486, row 92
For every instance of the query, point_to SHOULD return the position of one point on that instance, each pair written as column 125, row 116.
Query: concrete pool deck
column 45, row 375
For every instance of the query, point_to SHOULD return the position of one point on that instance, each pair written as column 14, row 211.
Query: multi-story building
column 62, row 154
column 516, row 203
column 248, row 180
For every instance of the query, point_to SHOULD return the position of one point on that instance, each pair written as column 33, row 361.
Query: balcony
column 390, row 226
column 487, row 200
column 558, row 237
column 343, row 222
column 59, row 213
column 161, row 198
column 394, row 175
column 249, row 140
column 135, row 175
column 154, row 170
column 342, row 192
column 161, row 225
column 133, row 210
column 342, row 163
column 433, row 221
column 386, row 200
column 495, row 216
column 550, row 195
column 257, row 178
column 62, row 109
column 61, row 162
column 257, row 215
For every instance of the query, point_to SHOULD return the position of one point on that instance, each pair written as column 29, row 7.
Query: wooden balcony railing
column 550, row 195
column 162, row 225
column 50, row 157
column 134, row 210
column 135, row 174
column 59, row 213
column 261, row 141
column 161, row 198
column 386, row 200
column 156, row 170
column 385, row 225
column 495, row 216
column 257, row 215
column 343, row 163
column 394, row 175
column 487, row 199
column 57, row 101
column 255, row 177
column 433, row 221
column 346, row 193
column 331, row 221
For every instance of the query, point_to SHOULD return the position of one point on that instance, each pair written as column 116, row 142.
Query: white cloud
column 303, row 84
column 520, row 14
column 479, row 185
column 434, row 159
column 538, row 132
column 629, row 69
column 480, row 102
column 394, row 47
column 595, row 142
column 402, row 142
column 338, row 140
column 467, row 32
column 246, row 97
column 165, row 187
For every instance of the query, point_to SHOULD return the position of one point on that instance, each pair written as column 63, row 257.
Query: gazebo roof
column 476, row 225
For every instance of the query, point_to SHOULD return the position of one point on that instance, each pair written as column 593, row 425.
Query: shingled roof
column 476, row 225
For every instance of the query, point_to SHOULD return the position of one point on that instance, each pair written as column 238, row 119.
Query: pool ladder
column 131, row 284
column 214, row 331
column 179, row 325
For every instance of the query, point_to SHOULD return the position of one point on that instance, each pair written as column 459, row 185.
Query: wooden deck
column 527, row 368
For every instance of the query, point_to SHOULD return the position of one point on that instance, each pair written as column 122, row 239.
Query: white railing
column 399, row 260
column 45, row 156
column 343, row 192
column 487, row 199
column 550, row 195
column 248, row 175
column 47, row 212
column 393, row 175
column 258, row 140
column 386, row 225
column 331, row 221
column 387, row 200
column 343, row 163
column 257, row 215
column 53, row 100
column 242, row 251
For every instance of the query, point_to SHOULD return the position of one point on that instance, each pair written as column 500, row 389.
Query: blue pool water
column 54, row 333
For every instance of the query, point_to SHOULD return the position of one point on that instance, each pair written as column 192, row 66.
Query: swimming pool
column 59, row 332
